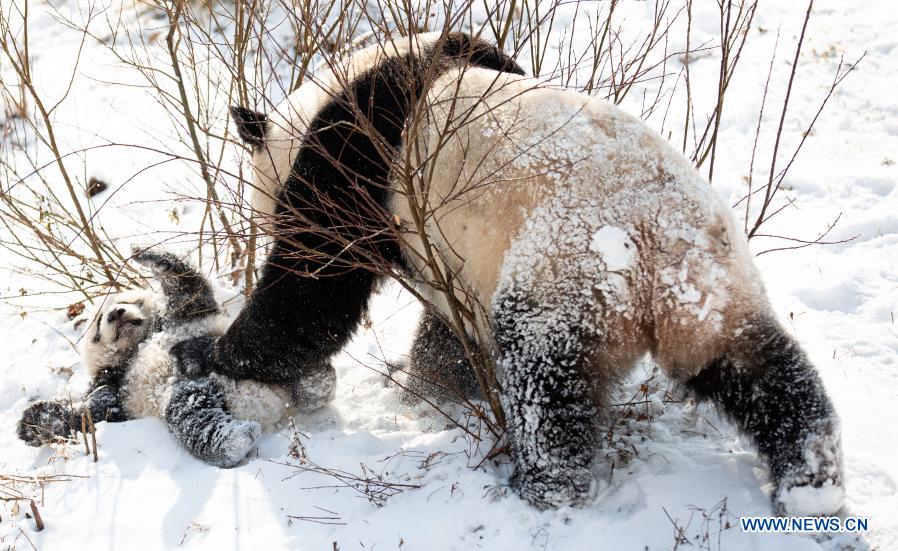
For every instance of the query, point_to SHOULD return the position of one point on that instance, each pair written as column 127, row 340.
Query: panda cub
column 126, row 351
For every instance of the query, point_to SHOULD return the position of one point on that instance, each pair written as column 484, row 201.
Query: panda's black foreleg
column 552, row 418
column 769, row 388
column 290, row 326
column 188, row 294
column 197, row 416
column 105, row 404
column 104, row 397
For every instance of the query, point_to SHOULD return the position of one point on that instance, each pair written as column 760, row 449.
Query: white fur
column 139, row 304
column 531, row 175
column 148, row 381
column 528, row 178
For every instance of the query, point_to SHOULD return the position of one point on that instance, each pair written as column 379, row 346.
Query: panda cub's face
column 122, row 322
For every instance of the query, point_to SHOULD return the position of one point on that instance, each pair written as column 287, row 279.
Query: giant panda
column 588, row 240
column 125, row 351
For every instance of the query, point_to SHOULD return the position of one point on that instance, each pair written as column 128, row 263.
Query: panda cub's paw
column 815, row 486
column 45, row 421
column 159, row 262
column 551, row 488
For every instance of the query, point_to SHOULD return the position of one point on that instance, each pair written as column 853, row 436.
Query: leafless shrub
column 197, row 58
column 51, row 229
column 375, row 486
column 774, row 178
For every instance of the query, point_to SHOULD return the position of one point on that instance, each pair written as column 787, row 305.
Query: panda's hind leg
column 438, row 368
column 764, row 382
column 197, row 416
column 551, row 415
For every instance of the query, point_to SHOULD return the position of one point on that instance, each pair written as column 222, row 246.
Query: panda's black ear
column 251, row 125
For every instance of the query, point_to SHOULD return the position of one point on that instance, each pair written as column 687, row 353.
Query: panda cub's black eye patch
column 136, row 322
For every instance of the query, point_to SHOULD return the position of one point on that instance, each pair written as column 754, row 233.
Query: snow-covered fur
column 127, row 353
column 587, row 239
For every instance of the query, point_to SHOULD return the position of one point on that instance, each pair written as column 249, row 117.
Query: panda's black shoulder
column 479, row 53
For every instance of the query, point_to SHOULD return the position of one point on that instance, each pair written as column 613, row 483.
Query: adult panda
column 586, row 237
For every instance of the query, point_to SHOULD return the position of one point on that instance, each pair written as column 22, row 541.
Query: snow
column 615, row 247
column 674, row 462
column 807, row 500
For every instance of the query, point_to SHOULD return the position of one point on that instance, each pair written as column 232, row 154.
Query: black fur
column 479, row 54
column 438, row 368
column 188, row 295
column 47, row 420
column 189, row 354
column 552, row 419
column 769, row 388
column 251, row 125
column 311, row 295
column 198, row 418
column 104, row 397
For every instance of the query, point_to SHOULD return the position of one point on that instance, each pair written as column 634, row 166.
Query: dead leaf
column 95, row 186
column 75, row 310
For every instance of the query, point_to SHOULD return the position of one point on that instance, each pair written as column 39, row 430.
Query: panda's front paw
column 45, row 421
column 554, row 487
column 815, row 486
column 194, row 358
column 315, row 389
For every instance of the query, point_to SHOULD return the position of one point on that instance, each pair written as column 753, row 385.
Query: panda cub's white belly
column 148, row 382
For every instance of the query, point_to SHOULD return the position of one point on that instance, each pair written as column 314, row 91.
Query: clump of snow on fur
column 238, row 438
column 617, row 250
column 315, row 389
column 808, row 501
column 816, row 487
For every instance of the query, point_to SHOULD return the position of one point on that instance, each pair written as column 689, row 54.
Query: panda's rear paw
column 555, row 487
column 814, row 487
column 237, row 440
column 45, row 421
column 159, row 261
column 316, row 389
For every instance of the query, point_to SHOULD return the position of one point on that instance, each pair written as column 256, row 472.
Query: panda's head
column 275, row 138
column 120, row 323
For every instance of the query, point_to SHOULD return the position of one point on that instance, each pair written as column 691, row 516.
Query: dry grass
column 24, row 495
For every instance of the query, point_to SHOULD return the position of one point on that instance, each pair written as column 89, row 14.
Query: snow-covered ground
column 681, row 475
